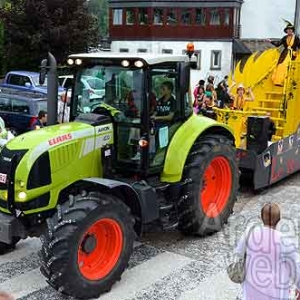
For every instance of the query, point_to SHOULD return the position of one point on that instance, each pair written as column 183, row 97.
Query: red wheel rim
column 216, row 187
column 100, row 249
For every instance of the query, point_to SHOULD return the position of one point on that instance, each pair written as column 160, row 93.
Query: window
column 215, row 17
column 215, row 60
column 172, row 18
column 143, row 16
column 117, row 16
column 226, row 17
column 5, row 104
column 13, row 79
column 158, row 16
column 25, row 80
column 69, row 83
column 167, row 51
column 186, row 17
column 124, row 50
column 41, row 105
column 142, row 50
column 198, row 56
column 200, row 16
column 20, row 106
column 129, row 16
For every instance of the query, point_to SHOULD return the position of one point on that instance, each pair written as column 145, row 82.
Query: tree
column 34, row 27
column 99, row 9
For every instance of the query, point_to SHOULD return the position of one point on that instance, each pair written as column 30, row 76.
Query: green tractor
column 133, row 157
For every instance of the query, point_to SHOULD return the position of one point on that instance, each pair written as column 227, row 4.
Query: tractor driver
column 166, row 106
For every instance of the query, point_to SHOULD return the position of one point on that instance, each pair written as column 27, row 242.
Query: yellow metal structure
column 281, row 102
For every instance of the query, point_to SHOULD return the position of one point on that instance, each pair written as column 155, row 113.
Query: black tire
column 4, row 248
column 64, row 238
column 194, row 217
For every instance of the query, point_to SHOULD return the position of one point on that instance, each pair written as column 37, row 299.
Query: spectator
column 271, row 259
column 40, row 121
column 211, row 79
column 198, row 86
column 222, row 92
column 207, row 108
column 63, row 108
column 210, row 88
column 199, row 98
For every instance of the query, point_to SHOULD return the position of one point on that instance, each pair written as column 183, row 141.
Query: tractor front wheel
column 212, row 176
column 88, row 245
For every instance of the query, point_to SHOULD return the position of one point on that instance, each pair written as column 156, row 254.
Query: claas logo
column 60, row 139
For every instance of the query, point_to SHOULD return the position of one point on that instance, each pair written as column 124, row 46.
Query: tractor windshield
column 112, row 87
column 117, row 90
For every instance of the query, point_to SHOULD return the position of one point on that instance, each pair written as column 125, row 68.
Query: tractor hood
column 51, row 136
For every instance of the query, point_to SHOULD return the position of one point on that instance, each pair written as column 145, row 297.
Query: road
column 166, row 266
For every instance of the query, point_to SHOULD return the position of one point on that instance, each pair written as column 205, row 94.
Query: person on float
column 241, row 98
column 290, row 42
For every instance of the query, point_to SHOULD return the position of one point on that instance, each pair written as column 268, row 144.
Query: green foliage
column 34, row 27
column 99, row 9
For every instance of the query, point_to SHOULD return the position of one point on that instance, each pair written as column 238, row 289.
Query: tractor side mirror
column 43, row 71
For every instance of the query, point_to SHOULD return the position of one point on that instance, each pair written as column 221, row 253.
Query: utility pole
column 297, row 17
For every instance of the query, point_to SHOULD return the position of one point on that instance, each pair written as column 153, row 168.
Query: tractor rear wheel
column 88, row 245
column 212, row 177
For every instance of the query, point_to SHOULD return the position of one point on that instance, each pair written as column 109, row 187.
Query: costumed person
column 240, row 98
column 290, row 43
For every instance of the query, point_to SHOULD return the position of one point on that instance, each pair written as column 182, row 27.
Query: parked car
column 19, row 109
column 26, row 81
column 93, row 87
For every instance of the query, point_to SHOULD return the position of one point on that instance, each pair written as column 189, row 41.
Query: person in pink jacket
column 5, row 296
column 272, row 261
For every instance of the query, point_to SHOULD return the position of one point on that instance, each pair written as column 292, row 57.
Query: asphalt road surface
column 166, row 266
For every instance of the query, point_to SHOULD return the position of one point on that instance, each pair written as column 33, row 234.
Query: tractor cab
column 146, row 97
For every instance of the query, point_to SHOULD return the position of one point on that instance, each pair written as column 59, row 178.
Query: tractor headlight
column 78, row 61
column 139, row 64
column 125, row 63
column 70, row 61
column 22, row 195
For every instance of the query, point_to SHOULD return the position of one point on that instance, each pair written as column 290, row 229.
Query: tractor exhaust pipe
column 49, row 68
column 52, row 91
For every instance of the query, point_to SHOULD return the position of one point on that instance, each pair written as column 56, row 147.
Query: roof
column 150, row 59
column 22, row 94
column 174, row 3
column 249, row 46
column 28, row 73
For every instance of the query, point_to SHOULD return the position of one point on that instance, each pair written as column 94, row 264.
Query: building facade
column 167, row 26
column 223, row 31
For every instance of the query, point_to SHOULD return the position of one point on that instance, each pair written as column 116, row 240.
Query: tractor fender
column 124, row 192
column 183, row 140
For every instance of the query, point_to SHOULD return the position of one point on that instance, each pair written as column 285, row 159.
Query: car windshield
column 36, row 82
column 118, row 88
column 95, row 83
